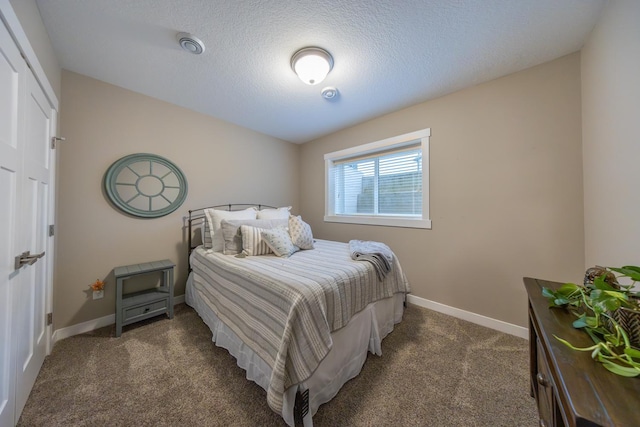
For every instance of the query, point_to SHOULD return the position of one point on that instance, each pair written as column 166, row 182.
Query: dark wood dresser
column 570, row 388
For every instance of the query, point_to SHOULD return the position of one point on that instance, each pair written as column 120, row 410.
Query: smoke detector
column 190, row 43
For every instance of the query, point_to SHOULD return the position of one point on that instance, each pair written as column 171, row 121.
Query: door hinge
column 51, row 230
column 49, row 319
column 55, row 139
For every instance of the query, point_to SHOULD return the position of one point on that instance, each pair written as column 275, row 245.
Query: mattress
column 350, row 311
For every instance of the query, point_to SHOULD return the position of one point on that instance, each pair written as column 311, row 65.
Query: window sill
column 383, row 221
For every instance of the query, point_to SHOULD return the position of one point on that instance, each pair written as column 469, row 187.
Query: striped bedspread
column 285, row 309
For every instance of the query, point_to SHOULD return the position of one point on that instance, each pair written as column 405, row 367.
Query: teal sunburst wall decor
column 145, row 185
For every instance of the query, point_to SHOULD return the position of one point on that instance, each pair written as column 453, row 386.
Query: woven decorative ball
column 628, row 320
column 594, row 272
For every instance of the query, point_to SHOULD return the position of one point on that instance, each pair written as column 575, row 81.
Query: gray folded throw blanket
column 377, row 253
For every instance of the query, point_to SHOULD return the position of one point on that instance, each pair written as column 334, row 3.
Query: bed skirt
column 364, row 332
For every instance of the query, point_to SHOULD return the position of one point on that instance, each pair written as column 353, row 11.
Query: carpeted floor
column 435, row 371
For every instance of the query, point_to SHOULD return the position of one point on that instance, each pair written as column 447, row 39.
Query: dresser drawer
column 544, row 389
column 146, row 310
column 571, row 388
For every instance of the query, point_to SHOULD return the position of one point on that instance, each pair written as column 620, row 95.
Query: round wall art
column 145, row 185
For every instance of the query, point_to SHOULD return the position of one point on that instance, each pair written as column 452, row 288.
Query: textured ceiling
column 388, row 54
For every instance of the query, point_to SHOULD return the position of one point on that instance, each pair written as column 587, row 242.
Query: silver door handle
column 26, row 258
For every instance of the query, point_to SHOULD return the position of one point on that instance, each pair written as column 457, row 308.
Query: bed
column 299, row 325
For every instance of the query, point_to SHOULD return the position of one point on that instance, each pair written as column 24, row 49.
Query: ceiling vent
column 329, row 92
column 190, row 43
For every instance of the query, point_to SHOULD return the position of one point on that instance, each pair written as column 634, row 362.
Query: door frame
column 11, row 21
column 8, row 15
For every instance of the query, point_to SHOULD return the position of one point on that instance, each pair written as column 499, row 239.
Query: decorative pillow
column 252, row 241
column 213, row 217
column 233, row 238
column 280, row 213
column 279, row 241
column 300, row 232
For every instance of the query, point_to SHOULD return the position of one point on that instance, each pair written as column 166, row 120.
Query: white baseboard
column 479, row 319
column 91, row 325
column 81, row 328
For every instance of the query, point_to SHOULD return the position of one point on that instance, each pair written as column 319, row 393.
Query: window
column 381, row 183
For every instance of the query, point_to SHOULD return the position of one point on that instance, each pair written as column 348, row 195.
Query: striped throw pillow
column 252, row 242
column 232, row 236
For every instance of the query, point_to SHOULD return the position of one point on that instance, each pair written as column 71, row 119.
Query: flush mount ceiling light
column 190, row 43
column 312, row 64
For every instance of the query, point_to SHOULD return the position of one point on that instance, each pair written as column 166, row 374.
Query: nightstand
column 136, row 306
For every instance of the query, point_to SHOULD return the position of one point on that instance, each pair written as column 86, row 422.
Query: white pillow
column 213, row 217
column 279, row 241
column 280, row 213
column 233, row 238
column 300, row 232
column 252, row 242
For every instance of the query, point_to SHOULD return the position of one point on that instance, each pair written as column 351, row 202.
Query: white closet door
column 32, row 291
column 11, row 77
column 26, row 179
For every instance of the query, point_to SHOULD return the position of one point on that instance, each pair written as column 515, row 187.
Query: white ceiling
column 388, row 54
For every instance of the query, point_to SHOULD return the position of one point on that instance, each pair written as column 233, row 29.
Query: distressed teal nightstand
column 133, row 307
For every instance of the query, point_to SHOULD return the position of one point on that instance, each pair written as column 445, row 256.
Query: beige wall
column 223, row 163
column 506, row 176
column 31, row 22
column 611, row 145
column 506, row 190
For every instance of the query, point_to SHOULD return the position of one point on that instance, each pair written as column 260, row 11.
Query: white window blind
column 387, row 184
column 381, row 183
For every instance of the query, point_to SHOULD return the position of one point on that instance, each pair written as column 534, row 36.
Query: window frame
column 420, row 137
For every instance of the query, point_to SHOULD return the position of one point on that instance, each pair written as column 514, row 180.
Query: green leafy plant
column 594, row 304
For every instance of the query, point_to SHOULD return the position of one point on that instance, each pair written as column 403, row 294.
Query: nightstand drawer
column 149, row 309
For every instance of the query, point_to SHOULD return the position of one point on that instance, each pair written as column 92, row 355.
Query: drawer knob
column 542, row 380
column 146, row 310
